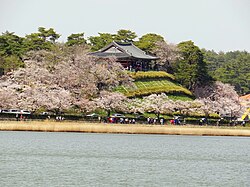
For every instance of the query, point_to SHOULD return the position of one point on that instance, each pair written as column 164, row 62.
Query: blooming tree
column 186, row 107
column 134, row 106
column 157, row 104
column 168, row 54
column 59, row 80
column 220, row 98
column 110, row 101
column 86, row 105
column 8, row 98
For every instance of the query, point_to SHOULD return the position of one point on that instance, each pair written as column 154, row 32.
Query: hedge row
column 150, row 74
column 157, row 90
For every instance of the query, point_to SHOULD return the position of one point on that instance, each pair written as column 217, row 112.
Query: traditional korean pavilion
column 130, row 56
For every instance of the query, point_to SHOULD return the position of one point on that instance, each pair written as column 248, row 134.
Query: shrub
column 150, row 74
column 154, row 86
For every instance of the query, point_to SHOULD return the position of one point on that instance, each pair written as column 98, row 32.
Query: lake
column 82, row 159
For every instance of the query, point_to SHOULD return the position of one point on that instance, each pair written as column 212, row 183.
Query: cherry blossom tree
column 157, row 104
column 186, row 107
column 134, row 106
column 110, row 101
column 168, row 54
column 8, row 98
column 53, row 99
column 206, row 106
column 220, row 98
column 86, row 105
column 59, row 80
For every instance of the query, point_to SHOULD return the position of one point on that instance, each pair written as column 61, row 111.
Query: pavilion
column 131, row 57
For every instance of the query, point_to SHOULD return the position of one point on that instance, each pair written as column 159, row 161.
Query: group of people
column 150, row 120
column 155, row 120
column 120, row 120
column 58, row 118
column 136, row 68
column 175, row 121
column 20, row 117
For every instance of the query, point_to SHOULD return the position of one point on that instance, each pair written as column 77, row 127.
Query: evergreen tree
column 190, row 68
column 231, row 67
column 12, row 50
column 76, row 39
column 148, row 42
column 125, row 36
column 98, row 42
column 11, row 44
column 44, row 39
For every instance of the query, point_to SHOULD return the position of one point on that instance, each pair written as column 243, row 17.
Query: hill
column 154, row 82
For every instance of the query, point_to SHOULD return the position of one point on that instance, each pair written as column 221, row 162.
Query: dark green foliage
column 11, row 44
column 148, row 42
column 125, row 36
column 48, row 35
column 231, row 67
column 13, row 47
column 9, row 63
column 35, row 42
column 98, row 42
column 11, row 52
column 190, row 69
column 44, row 39
column 76, row 39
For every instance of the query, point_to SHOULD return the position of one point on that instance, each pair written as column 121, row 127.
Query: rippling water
column 78, row 159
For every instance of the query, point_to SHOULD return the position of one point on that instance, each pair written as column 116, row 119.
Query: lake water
column 80, row 159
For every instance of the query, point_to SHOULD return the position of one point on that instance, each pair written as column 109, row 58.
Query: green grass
column 155, row 86
column 140, row 75
column 155, row 82
column 180, row 97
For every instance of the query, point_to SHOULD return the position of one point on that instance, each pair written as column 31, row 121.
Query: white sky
column 222, row 25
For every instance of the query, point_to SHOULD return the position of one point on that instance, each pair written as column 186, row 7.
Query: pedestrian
column 130, row 68
column 154, row 121
column 200, row 122
column 218, row 122
column 17, row 117
column 172, row 122
column 121, row 120
column 243, row 123
column 148, row 120
column 162, row 121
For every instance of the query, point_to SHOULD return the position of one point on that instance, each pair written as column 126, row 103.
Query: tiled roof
column 123, row 50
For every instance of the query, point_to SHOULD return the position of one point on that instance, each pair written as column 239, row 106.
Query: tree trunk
column 108, row 113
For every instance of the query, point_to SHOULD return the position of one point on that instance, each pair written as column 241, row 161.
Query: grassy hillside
column 153, row 83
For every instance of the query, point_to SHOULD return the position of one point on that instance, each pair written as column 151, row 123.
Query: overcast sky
column 222, row 25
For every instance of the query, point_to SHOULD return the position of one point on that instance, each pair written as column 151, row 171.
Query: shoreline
column 83, row 127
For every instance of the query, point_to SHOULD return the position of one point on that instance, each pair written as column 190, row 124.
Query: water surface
column 81, row 159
